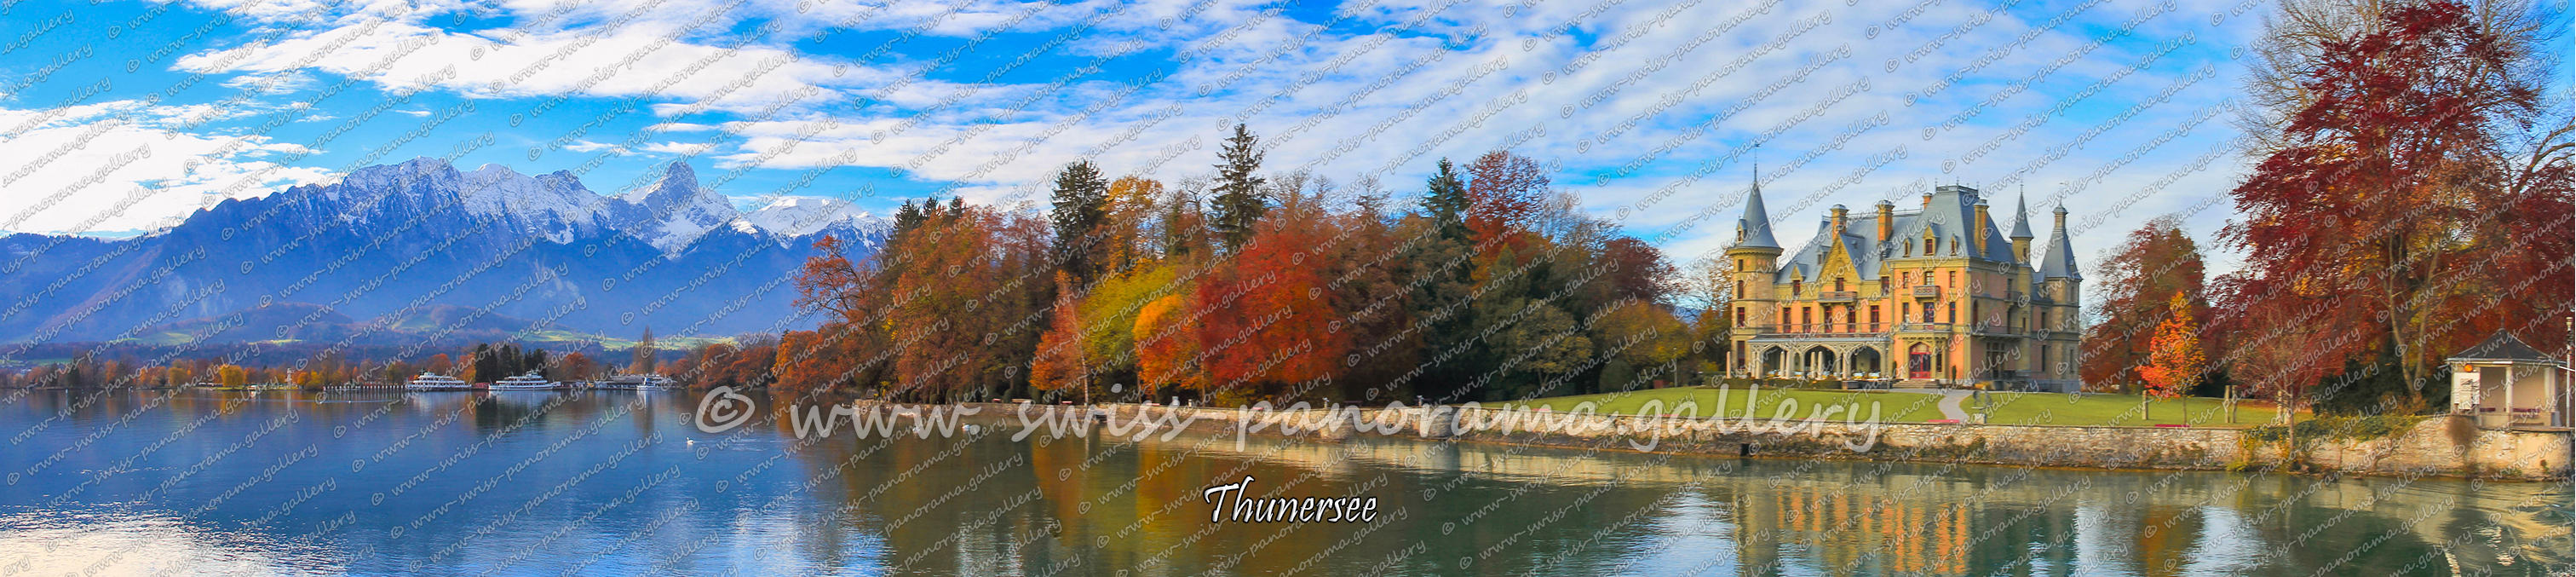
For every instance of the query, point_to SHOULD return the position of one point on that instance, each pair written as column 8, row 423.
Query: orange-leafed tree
column 1267, row 322
column 809, row 362
column 442, row 364
column 2129, row 295
column 2177, row 362
column 1059, row 366
column 1505, row 193
column 230, row 375
column 1167, row 346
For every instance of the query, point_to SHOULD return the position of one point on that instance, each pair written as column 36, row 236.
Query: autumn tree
column 2175, row 359
column 2372, row 223
column 1058, row 365
column 2129, row 299
column 1267, row 329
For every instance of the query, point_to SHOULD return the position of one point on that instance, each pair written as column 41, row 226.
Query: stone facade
column 1937, row 296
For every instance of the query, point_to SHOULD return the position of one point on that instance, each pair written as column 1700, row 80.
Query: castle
column 1933, row 297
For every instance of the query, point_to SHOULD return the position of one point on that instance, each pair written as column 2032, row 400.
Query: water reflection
column 620, row 483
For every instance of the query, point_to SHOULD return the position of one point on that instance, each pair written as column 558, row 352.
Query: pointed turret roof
column 2060, row 261
column 2021, row 217
column 1754, row 229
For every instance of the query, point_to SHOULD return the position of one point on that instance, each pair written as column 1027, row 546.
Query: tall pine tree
column 1238, row 203
column 1081, row 207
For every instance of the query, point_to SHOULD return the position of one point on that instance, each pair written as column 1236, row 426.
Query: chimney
column 1886, row 220
column 1927, row 200
column 1841, row 218
column 1977, row 234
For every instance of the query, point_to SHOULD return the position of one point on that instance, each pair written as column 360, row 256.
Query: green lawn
column 2090, row 409
column 1899, row 407
column 1892, row 407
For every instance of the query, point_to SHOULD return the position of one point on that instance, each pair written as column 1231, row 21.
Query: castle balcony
column 1837, row 296
column 1995, row 330
column 1924, row 328
column 1929, row 291
column 1825, row 329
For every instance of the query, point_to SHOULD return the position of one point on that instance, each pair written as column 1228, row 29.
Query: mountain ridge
column 393, row 239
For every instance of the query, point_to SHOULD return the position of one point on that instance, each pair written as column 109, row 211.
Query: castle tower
column 1755, row 255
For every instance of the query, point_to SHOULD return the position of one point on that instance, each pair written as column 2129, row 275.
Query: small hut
column 2505, row 383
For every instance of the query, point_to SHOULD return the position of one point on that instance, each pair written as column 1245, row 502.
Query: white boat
column 645, row 381
column 527, row 382
column 437, row 382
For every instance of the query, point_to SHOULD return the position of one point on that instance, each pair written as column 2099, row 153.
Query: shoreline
column 2436, row 447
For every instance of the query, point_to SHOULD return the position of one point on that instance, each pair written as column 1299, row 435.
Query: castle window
column 1929, row 247
column 1909, row 279
column 1797, row 287
column 1806, row 318
column 1953, row 278
column 1739, row 288
column 1882, row 285
column 1953, row 311
column 1739, row 316
column 1873, row 318
column 1838, row 284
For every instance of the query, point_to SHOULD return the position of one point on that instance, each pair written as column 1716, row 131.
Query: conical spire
column 2021, row 216
column 2060, row 262
column 1754, row 230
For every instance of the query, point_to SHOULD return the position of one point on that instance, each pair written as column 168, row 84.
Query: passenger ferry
column 647, row 381
column 437, row 382
column 527, row 382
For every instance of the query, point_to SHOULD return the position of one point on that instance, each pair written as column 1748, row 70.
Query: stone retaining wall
column 2440, row 446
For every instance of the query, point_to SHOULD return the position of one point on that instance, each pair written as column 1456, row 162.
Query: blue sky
column 1646, row 108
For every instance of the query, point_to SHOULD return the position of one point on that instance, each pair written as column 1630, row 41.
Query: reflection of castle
column 1952, row 299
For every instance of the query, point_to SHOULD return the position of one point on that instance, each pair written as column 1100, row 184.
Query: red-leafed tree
column 2391, row 225
column 1267, row 322
column 2130, row 296
column 1505, row 192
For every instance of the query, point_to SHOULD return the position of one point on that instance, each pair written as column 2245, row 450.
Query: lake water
column 625, row 483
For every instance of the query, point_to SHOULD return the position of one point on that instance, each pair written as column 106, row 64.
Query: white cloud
column 111, row 167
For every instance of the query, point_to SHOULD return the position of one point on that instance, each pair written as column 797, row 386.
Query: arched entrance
column 1867, row 360
column 1918, row 361
column 1774, row 360
column 1818, row 361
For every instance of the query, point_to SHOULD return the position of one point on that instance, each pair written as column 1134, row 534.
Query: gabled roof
column 1949, row 217
column 2502, row 347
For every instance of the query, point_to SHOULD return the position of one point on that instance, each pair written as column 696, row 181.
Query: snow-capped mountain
column 390, row 241
column 805, row 215
column 674, row 211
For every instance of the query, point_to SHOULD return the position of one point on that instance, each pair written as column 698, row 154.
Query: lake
column 626, row 483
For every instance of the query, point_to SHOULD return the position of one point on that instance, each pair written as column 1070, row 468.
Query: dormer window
column 1797, row 287
column 1838, row 284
